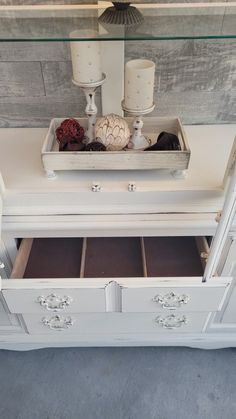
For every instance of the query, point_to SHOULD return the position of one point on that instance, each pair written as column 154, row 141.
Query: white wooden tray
column 53, row 159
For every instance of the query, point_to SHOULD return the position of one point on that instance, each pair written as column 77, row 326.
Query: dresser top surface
column 21, row 167
column 24, row 177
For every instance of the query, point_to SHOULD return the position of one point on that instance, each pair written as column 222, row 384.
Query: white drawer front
column 116, row 323
column 9, row 323
column 59, row 300
column 167, row 296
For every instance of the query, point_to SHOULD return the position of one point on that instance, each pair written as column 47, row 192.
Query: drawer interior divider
column 22, row 258
column 144, row 260
column 203, row 250
column 83, row 257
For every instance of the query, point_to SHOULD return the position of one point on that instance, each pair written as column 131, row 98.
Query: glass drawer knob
column 96, row 187
column 132, row 187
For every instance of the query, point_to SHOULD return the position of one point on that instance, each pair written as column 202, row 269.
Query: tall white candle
column 86, row 58
column 139, row 84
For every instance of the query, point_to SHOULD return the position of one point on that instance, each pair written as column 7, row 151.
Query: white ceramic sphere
column 112, row 130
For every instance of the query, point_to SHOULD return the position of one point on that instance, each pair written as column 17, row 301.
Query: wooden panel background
column 26, row 2
column 16, row 2
column 195, row 80
column 36, row 86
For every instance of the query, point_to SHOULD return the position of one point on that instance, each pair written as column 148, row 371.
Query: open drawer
column 173, row 268
column 48, row 276
column 76, row 275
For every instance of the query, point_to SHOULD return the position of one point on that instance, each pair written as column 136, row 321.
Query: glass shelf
column 161, row 22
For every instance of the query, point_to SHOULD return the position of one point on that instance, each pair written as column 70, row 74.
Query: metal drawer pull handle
column 171, row 301
column 172, row 321
column 58, row 322
column 54, row 302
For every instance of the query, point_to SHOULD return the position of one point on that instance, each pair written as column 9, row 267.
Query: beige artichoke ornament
column 112, row 130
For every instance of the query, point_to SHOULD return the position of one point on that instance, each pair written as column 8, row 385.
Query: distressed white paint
column 53, row 159
column 225, row 222
column 25, row 300
column 138, row 326
column 27, row 190
column 202, row 297
column 120, row 324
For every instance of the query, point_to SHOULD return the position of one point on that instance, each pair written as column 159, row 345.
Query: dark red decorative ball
column 69, row 130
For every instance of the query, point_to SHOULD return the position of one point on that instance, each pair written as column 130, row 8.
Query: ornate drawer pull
column 54, row 302
column 58, row 322
column 171, row 301
column 172, row 321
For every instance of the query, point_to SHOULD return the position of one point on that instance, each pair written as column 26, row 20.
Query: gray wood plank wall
column 35, row 84
column 26, row 2
column 34, row 2
column 194, row 79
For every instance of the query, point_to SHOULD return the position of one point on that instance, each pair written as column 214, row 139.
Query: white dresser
column 130, row 261
column 114, row 267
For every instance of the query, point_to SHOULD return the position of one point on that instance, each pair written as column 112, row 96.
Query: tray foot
column 179, row 174
column 51, row 174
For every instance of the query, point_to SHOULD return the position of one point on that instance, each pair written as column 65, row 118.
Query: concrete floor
column 118, row 383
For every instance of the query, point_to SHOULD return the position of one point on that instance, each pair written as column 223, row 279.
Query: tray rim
column 70, row 158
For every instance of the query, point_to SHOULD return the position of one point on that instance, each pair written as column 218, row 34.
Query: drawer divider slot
column 203, row 250
column 144, row 260
column 83, row 257
column 22, row 259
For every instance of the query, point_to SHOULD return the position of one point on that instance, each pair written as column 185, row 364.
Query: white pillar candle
column 86, row 58
column 139, row 84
